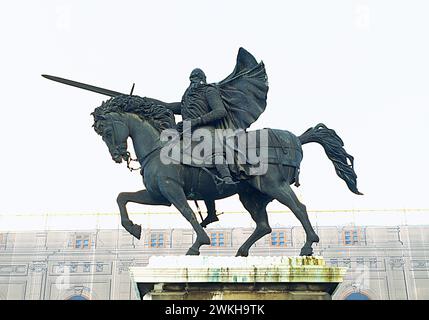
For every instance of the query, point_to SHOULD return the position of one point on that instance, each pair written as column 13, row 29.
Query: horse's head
column 113, row 117
column 114, row 131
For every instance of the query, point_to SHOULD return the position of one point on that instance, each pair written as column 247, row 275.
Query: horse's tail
column 333, row 145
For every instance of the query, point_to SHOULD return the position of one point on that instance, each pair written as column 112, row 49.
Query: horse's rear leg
column 255, row 202
column 141, row 197
column 286, row 196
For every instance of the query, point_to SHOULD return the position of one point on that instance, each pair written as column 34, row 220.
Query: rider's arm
column 216, row 105
column 173, row 106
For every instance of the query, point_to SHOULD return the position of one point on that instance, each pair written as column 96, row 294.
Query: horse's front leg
column 174, row 193
column 142, row 197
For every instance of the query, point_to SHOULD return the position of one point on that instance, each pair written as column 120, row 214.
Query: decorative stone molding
column 345, row 292
column 18, row 269
column 419, row 264
column 124, row 266
column 38, row 267
column 396, row 262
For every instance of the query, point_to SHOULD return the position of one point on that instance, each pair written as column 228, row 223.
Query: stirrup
column 231, row 182
column 222, row 181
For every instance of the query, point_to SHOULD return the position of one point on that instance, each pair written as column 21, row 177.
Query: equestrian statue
column 210, row 110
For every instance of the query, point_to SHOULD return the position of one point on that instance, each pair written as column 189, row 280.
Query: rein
column 129, row 160
column 142, row 161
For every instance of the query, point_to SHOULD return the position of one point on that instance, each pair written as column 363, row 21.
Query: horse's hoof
column 306, row 251
column 242, row 253
column 193, row 252
column 136, row 231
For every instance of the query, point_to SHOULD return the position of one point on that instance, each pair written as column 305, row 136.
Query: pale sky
column 360, row 67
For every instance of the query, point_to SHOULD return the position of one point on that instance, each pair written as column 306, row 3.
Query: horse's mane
column 158, row 116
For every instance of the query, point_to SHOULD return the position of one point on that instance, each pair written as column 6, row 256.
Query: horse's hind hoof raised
column 193, row 252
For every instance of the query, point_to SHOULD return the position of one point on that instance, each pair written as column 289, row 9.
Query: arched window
column 357, row 296
column 77, row 297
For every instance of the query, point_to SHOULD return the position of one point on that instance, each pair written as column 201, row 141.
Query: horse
column 142, row 121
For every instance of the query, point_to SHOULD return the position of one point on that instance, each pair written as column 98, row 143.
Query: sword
column 85, row 86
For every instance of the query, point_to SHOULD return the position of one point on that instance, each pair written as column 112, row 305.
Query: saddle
column 244, row 152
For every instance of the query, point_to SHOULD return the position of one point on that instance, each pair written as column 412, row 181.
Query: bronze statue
column 232, row 104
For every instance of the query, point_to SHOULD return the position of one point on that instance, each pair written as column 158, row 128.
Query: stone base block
column 232, row 278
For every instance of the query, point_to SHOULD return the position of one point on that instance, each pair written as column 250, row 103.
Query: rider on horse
column 233, row 103
column 202, row 105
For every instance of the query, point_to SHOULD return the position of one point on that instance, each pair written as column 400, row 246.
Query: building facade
column 384, row 262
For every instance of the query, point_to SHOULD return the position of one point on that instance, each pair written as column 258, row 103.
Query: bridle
column 128, row 154
column 129, row 160
column 142, row 161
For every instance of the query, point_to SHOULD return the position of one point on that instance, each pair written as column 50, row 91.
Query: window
column 77, row 297
column 82, row 242
column 99, row 267
column 87, row 267
column 156, row 240
column 357, row 296
column 351, row 237
column 217, row 239
column 347, row 262
column 373, row 263
column 73, row 267
column 278, row 239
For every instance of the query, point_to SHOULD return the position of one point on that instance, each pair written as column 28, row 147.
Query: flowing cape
column 244, row 91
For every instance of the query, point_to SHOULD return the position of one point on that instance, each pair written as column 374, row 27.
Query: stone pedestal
column 231, row 278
